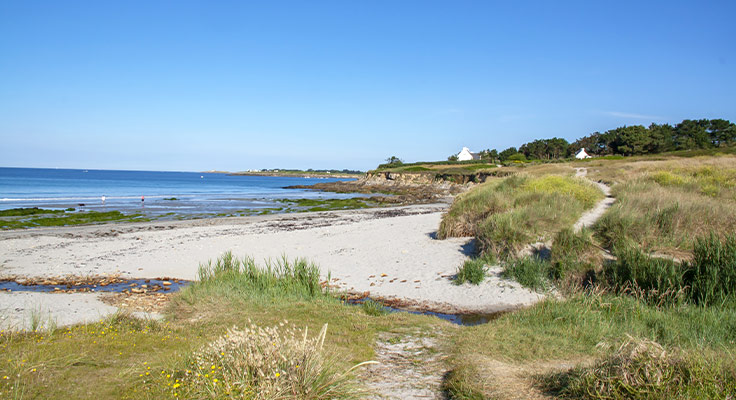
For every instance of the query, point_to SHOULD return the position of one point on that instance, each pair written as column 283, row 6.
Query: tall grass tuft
column 231, row 277
column 656, row 280
column 531, row 272
column 714, row 270
column 709, row 279
column 643, row 369
column 279, row 362
column 373, row 308
column 474, row 270
column 573, row 253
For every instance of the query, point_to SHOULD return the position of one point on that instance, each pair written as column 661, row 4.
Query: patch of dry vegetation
column 662, row 206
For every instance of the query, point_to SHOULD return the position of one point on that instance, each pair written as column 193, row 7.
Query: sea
column 163, row 193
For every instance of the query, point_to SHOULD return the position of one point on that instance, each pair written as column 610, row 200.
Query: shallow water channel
column 469, row 319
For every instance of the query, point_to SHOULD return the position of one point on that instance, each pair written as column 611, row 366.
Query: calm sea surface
column 196, row 193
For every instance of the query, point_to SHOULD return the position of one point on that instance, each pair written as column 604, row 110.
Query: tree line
column 626, row 141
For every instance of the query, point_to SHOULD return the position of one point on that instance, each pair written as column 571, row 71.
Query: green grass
column 584, row 326
column 125, row 357
column 232, row 276
column 507, row 214
column 474, row 271
column 708, row 280
column 373, row 308
column 530, row 272
column 643, row 369
column 663, row 206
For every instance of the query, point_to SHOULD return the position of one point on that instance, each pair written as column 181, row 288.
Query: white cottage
column 581, row 154
column 465, row 155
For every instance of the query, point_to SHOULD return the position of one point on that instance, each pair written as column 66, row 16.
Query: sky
column 233, row 85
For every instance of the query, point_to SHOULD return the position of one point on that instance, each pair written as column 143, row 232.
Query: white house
column 465, row 155
column 581, row 154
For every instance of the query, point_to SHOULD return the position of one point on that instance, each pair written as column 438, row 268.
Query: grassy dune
column 506, row 214
column 646, row 327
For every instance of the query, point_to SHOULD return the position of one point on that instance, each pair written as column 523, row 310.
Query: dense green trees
column 637, row 139
column 546, row 149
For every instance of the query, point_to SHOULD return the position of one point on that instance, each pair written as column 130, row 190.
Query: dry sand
column 389, row 252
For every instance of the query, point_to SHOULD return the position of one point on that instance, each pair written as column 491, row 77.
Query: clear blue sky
column 199, row 85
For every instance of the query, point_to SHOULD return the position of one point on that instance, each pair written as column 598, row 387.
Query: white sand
column 356, row 246
column 19, row 309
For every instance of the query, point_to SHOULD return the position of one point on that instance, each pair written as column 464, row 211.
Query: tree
column 545, row 149
column 494, row 155
column 504, row 155
column 631, row 140
column 393, row 160
column 452, row 157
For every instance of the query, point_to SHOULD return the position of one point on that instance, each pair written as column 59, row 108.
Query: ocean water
column 195, row 193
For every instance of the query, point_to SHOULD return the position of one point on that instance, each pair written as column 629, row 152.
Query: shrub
column 278, row 362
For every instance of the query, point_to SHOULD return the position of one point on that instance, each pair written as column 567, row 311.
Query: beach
column 386, row 253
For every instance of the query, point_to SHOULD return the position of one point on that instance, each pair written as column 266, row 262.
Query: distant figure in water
column 143, row 199
column 103, row 199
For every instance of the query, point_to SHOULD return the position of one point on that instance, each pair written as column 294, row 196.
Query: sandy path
column 387, row 252
column 590, row 217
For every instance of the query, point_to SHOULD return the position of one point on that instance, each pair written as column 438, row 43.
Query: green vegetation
column 474, row 270
column 22, row 212
column 505, row 215
column 31, row 218
column 373, row 308
column 311, row 205
column 663, row 206
column 655, row 322
column 709, row 279
column 170, row 198
column 235, row 320
column 643, row 369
